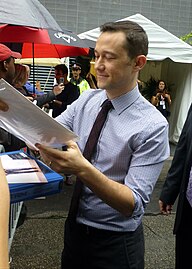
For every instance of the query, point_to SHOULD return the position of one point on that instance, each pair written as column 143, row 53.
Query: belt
column 85, row 229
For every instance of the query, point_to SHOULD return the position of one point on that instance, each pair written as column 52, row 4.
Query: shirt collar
column 124, row 101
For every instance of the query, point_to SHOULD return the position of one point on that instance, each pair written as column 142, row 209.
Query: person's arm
column 73, row 162
column 50, row 96
column 155, row 99
column 31, row 88
column 172, row 184
column 45, row 98
column 4, row 219
column 146, row 164
column 168, row 97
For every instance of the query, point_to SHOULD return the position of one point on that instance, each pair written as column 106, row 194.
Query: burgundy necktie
column 87, row 153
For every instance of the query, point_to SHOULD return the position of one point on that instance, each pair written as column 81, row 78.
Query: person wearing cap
column 77, row 80
column 7, row 59
column 7, row 71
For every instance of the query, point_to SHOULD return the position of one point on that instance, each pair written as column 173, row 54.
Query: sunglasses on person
column 76, row 68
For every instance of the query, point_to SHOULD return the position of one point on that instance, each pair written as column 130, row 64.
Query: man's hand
column 164, row 208
column 30, row 98
column 158, row 94
column 70, row 161
column 58, row 89
column 3, row 106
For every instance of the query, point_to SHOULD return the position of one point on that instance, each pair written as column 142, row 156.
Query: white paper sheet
column 24, row 170
column 29, row 122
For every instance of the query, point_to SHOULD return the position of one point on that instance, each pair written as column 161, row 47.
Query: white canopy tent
column 170, row 59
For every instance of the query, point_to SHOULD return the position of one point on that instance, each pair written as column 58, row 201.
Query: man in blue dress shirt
column 130, row 152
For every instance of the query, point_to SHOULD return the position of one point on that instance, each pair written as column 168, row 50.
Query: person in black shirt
column 67, row 96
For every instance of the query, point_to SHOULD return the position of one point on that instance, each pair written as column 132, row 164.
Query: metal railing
column 15, row 210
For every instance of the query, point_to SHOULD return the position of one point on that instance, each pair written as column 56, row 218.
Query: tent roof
column 162, row 44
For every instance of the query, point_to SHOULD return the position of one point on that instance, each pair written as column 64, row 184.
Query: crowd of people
column 58, row 99
column 118, row 159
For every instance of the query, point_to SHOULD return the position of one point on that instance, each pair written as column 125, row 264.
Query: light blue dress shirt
column 131, row 149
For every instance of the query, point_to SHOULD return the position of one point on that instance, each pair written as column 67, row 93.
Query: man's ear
column 140, row 62
column 5, row 65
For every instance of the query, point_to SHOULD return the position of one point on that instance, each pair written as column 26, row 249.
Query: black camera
column 61, row 80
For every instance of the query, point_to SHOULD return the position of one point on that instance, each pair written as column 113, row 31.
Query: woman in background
column 19, row 81
column 162, row 99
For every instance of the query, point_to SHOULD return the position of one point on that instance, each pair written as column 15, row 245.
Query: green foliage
column 149, row 88
column 187, row 38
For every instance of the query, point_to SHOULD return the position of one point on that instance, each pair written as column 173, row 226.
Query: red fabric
column 42, row 43
column 52, row 51
column 21, row 34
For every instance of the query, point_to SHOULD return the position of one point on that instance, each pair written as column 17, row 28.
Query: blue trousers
column 89, row 248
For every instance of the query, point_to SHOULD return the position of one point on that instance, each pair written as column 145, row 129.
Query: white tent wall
column 179, row 76
column 151, row 69
column 170, row 59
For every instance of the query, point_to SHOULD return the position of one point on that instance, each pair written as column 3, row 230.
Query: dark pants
column 184, row 239
column 90, row 248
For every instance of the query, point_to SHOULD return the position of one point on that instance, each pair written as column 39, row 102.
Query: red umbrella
column 51, row 51
column 43, row 43
column 30, row 22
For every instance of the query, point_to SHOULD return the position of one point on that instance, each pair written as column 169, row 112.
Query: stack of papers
column 19, row 168
column 28, row 177
column 30, row 123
